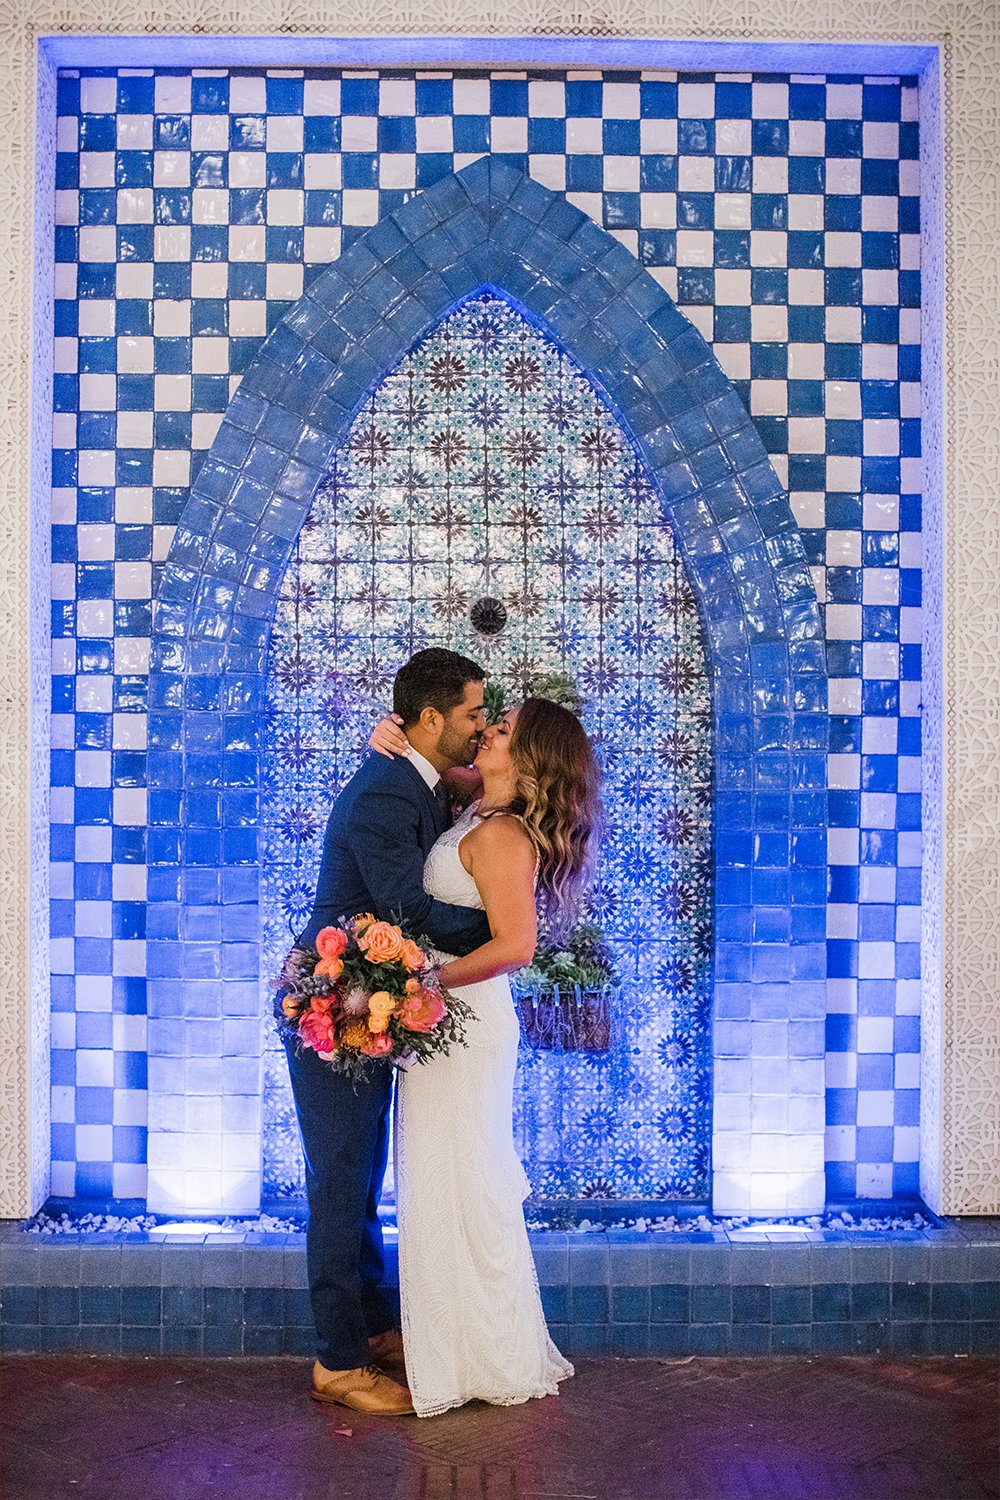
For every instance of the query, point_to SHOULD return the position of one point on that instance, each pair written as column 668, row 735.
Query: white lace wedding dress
column 473, row 1327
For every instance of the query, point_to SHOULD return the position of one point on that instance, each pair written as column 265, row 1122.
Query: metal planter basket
column 567, row 1019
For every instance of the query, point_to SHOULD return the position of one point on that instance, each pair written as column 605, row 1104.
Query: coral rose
column 381, row 942
column 331, row 942
column 380, row 1008
column 377, row 1046
column 331, row 967
column 422, row 1011
column 412, row 954
column 316, row 1031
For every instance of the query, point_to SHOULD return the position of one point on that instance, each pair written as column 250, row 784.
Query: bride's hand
column 388, row 738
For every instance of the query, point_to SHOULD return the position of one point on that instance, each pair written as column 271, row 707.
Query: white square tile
column 620, row 101
column 658, row 210
column 98, row 96
column 550, row 171
column 696, row 101
column 471, row 96
column 658, row 137
column 843, row 176
column 209, row 132
column 546, row 99
column 621, row 174
column 172, row 96
column 584, row 137
column 770, row 101
column 93, row 1142
column 285, row 205
column 733, row 138
column 806, row 137
column 134, row 205
column 360, row 206
column 321, row 96
column 768, row 247
column 843, row 101
column 695, row 174
column 247, row 169
column 97, row 392
column 875, row 1107
column 435, row 133
column 770, row 174
column 880, row 139
column 285, row 133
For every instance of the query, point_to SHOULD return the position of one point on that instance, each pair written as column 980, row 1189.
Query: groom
column 381, row 829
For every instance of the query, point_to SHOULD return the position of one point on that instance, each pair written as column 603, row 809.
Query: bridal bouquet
column 367, row 990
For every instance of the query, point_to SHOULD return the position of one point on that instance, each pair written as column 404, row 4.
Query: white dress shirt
column 421, row 764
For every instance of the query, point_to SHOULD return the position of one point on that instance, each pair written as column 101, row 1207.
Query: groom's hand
column 388, row 738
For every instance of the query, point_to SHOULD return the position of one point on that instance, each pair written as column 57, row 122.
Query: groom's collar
column 428, row 773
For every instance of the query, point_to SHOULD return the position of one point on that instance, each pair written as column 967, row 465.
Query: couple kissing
column 475, row 887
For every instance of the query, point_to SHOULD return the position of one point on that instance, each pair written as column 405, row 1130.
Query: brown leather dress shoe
column 365, row 1389
column 387, row 1351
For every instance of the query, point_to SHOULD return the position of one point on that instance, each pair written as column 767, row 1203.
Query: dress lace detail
column 473, row 1326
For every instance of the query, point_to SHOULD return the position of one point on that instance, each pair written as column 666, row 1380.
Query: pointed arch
column 487, row 225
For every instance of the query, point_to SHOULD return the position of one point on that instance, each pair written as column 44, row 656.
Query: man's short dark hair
column 435, row 678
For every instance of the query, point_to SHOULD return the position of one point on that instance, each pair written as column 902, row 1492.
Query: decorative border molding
column 969, row 34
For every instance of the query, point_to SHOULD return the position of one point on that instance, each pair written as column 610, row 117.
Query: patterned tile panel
column 488, row 466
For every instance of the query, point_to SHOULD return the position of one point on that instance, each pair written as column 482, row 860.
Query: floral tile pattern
column 488, row 465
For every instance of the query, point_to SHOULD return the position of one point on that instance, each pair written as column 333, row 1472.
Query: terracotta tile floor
column 713, row 1429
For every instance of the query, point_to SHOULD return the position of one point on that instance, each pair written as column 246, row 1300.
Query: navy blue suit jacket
column 380, row 831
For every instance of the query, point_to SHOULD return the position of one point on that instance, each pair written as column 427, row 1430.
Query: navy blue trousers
column 345, row 1138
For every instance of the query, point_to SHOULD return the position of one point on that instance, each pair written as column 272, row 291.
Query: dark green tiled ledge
column 936, row 1292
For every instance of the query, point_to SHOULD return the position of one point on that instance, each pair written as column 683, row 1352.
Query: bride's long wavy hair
column 557, row 799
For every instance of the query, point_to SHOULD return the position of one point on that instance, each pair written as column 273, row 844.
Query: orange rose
column 412, row 954
column 332, row 967
column 381, row 942
column 412, row 986
column 331, row 942
column 290, row 1006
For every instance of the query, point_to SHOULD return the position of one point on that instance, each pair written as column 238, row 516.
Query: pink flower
column 378, row 1046
column 331, row 942
column 316, row 1031
column 422, row 1011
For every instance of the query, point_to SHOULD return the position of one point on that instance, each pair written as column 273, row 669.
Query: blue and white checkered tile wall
column 781, row 212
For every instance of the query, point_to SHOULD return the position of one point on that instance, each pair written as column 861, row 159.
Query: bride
column 473, row 1327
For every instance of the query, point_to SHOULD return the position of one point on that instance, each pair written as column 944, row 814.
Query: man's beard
column 460, row 750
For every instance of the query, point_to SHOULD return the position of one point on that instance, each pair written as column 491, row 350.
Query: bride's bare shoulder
column 502, row 833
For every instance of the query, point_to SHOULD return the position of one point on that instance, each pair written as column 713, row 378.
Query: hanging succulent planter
column 565, row 997
column 565, row 1019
